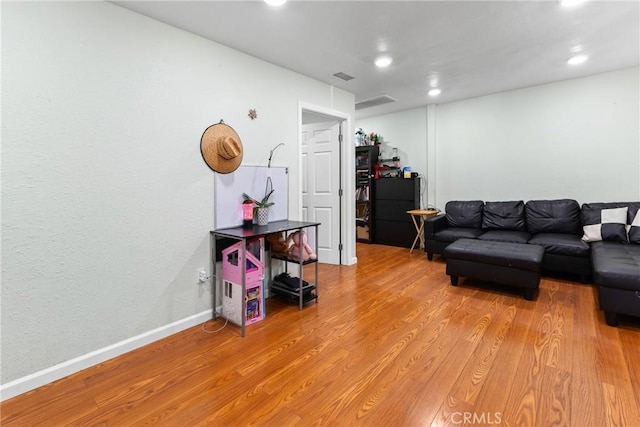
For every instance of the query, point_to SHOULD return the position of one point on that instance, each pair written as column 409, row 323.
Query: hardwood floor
column 389, row 343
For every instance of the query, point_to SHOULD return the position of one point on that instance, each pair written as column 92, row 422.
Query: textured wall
column 106, row 202
column 406, row 131
column 577, row 138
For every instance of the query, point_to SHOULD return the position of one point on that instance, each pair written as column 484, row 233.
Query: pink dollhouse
column 253, row 262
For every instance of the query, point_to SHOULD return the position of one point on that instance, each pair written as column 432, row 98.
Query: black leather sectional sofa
column 598, row 241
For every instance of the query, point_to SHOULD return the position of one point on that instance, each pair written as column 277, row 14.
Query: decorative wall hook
column 253, row 114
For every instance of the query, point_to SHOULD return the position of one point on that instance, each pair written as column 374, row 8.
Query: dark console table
column 243, row 234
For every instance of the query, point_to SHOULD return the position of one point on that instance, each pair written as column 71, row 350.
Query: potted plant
column 260, row 208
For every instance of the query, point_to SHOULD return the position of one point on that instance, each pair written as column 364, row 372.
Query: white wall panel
column 406, row 131
column 575, row 139
column 106, row 201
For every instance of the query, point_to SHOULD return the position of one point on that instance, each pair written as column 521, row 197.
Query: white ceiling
column 468, row 49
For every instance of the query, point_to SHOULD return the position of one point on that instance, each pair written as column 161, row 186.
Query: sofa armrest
column 434, row 224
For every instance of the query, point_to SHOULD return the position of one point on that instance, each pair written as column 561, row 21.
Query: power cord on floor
column 217, row 330
column 226, row 319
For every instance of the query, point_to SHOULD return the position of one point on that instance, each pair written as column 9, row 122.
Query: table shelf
column 304, row 294
column 293, row 260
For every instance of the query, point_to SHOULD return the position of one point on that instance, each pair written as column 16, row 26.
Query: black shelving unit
column 303, row 292
column 390, row 168
column 366, row 159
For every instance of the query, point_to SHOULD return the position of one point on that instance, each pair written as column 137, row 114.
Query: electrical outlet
column 202, row 276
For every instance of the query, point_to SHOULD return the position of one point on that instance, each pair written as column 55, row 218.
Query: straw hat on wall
column 221, row 148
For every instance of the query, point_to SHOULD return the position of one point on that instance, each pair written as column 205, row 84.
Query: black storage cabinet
column 394, row 197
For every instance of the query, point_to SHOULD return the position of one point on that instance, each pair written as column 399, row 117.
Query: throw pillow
column 634, row 229
column 605, row 224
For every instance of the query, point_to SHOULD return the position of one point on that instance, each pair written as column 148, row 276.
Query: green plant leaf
column 265, row 199
column 247, row 197
column 264, row 203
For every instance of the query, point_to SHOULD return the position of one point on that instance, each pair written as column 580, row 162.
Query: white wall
column 577, row 139
column 106, row 201
column 406, row 131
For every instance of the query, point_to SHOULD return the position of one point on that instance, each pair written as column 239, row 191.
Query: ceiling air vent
column 374, row 102
column 343, row 76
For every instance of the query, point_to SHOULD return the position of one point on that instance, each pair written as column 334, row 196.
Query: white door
column 321, row 186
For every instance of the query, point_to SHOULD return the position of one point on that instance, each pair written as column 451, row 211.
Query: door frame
column 346, row 201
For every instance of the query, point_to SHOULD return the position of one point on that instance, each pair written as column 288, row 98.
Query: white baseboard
column 61, row 370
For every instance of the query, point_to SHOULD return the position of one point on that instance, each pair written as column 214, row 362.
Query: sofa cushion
column 632, row 206
column 518, row 256
column 616, row 265
column 504, row 216
column 453, row 234
column 553, row 216
column 505, row 236
column 464, row 213
column 604, row 223
column 561, row 244
column 634, row 224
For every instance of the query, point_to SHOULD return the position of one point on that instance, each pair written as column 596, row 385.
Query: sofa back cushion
column 633, row 217
column 634, row 222
column 608, row 221
column 504, row 216
column 464, row 213
column 553, row 216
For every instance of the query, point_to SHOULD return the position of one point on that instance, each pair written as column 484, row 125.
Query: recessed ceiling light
column 275, row 2
column 578, row 59
column 383, row 61
column 577, row 48
column 434, row 92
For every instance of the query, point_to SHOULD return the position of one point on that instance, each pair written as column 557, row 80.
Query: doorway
column 322, row 183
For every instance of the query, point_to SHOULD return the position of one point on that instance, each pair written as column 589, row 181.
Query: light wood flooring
column 389, row 343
